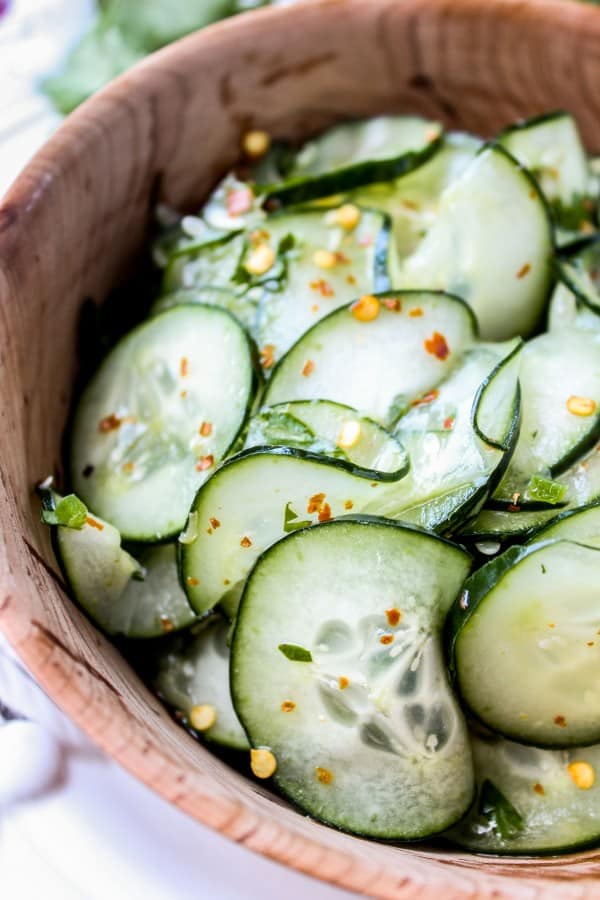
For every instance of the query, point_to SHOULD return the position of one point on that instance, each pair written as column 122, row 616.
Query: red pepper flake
column 166, row 624
column 323, row 287
column 183, row 394
column 416, row 312
column 315, row 503
column 215, row 523
column 560, row 721
column 386, row 639
column 343, row 682
column 245, row 542
column 183, row 366
column 324, row 775
column 350, row 279
column 411, row 204
column 205, row 462
column 348, row 504
column 539, row 789
column 314, row 308
column 524, row 270
column 94, row 523
column 437, row 346
column 449, row 423
column 288, row 706
column 514, row 506
column 205, row 429
column 259, row 236
column 309, row 368
column 393, row 616
column 393, row 303
column 193, row 582
column 267, row 358
column 341, row 258
column 239, row 201
column 429, row 397
column 325, row 513
column 109, row 423
column 128, row 467
column 590, row 643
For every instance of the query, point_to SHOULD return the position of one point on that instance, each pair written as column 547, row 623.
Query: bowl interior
column 72, row 227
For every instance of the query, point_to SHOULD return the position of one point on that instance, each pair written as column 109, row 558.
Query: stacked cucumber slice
column 343, row 461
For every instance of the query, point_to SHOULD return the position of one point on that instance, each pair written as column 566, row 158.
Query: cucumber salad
column 339, row 490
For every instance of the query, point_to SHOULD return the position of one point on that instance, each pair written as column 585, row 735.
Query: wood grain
column 70, row 229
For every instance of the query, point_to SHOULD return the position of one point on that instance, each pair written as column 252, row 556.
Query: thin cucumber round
column 524, row 644
column 355, row 154
column 337, row 669
column 579, row 272
column 491, row 244
column 333, row 429
column 581, row 525
column 381, row 365
column 165, row 406
column 531, row 800
column 192, row 670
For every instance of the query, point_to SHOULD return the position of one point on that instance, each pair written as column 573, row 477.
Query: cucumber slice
column 193, row 670
column 254, row 499
column 582, row 482
column 550, row 147
column 530, row 800
column 135, row 598
column 379, row 367
column 580, row 272
column 334, row 430
column 558, row 372
column 375, row 742
column 581, row 525
column 412, row 201
column 165, row 406
column 524, row 644
column 204, row 263
column 354, row 154
column 242, row 307
column 459, row 440
column 491, row 245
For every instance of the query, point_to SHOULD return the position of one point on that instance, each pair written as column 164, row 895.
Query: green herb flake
column 295, row 653
column 545, row 491
column 69, row 512
column 291, row 522
column 544, row 569
column 498, row 811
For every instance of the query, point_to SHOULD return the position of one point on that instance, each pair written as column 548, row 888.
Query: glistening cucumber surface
column 366, row 734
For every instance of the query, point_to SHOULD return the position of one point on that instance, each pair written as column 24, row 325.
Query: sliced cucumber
column 560, row 382
column 251, row 501
column 135, row 598
column 580, row 272
column 354, row 154
column 374, row 741
column 453, row 467
column 204, row 263
column 412, row 201
column 334, row 430
column 491, row 245
column 582, row 482
column 524, row 644
column 531, row 800
column 551, row 148
column 165, row 406
column 581, row 525
column 192, row 670
column 241, row 306
column 380, row 366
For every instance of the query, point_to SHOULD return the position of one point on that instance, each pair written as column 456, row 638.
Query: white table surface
column 93, row 832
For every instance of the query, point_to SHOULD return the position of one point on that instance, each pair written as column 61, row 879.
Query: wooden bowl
column 71, row 227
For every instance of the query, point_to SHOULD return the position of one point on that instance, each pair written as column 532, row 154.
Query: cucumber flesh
column 553, row 814
column 355, row 154
column 334, row 430
column 581, row 525
column 138, row 451
column 491, row 245
column 192, row 669
column 524, row 643
column 555, row 368
column 378, row 367
column 204, row 263
column 580, row 273
column 133, row 598
column 387, row 754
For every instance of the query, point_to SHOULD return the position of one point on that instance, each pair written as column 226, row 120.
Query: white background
column 90, row 831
